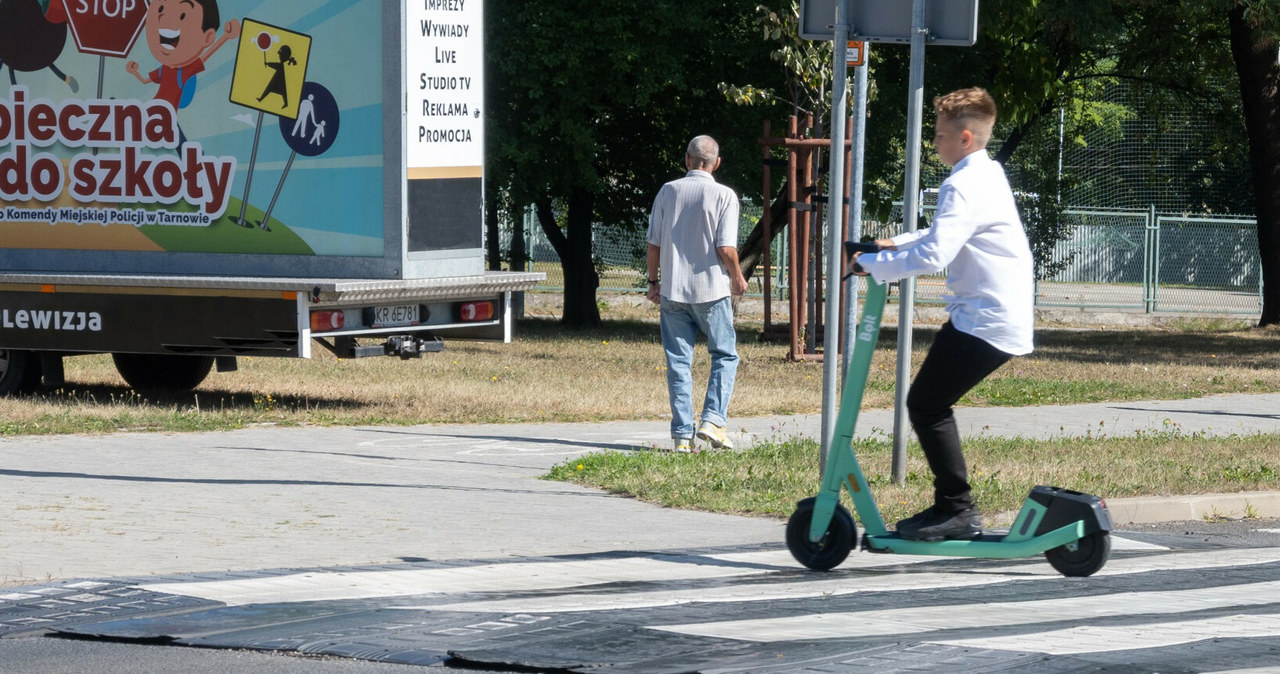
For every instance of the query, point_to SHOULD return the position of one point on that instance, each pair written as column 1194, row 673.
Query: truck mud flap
column 142, row 321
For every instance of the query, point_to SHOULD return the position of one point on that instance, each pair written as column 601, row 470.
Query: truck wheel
column 19, row 372
column 162, row 372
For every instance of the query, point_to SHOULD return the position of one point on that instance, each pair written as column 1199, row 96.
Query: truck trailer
column 184, row 183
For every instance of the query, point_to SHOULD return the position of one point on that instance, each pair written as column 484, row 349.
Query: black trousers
column 955, row 364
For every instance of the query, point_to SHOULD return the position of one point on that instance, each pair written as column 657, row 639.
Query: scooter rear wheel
column 1083, row 557
column 835, row 545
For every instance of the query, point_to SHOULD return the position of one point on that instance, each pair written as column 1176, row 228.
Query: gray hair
column 704, row 150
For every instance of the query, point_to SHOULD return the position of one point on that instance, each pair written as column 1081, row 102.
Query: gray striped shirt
column 691, row 218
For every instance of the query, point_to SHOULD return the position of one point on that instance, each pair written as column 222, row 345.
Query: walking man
column 693, row 242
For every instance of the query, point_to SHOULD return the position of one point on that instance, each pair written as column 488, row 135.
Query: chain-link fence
column 1112, row 259
column 1154, row 262
column 1136, row 185
column 620, row 255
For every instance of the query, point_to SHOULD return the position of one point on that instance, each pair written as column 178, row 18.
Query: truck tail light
column 475, row 311
column 324, row 321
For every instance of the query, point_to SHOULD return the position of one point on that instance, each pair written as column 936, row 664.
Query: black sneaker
column 965, row 524
column 907, row 528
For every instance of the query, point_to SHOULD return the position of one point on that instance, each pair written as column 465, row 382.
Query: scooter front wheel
column 835, row 545
column 1083, row 557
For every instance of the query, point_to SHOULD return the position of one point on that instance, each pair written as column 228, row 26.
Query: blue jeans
column 681, row 323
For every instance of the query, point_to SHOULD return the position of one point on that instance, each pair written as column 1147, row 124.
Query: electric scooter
column 1071, row 529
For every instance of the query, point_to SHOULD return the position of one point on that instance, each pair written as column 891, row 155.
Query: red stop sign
column 106, row 27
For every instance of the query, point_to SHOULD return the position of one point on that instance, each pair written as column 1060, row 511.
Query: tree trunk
column 518, row 254
column 573, row 245
column 1255, row 59
column 492, row 240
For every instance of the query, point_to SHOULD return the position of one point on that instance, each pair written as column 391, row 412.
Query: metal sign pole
column 955, row 22
column 910, row 206
column 835, row 211
column 855, row 204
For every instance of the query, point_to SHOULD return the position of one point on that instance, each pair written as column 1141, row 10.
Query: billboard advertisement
column 444, row 78
column 237, row 127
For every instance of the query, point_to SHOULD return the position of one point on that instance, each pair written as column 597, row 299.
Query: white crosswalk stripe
column 1099, row 639
column 523, row 576
column 894, row 622
column 512, row 577
column 575, row 575
column 841, row 582
column 1148, row 597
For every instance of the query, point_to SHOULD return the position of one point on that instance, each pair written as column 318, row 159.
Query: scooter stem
column 842, row 467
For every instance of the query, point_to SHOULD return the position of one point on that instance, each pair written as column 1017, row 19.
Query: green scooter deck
column 987, row 546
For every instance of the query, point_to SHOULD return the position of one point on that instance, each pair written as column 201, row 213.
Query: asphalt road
column 36, row 655
column 1174, row 597
column 415, row 544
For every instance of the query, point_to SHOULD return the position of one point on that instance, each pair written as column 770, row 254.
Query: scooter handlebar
column 853, row 247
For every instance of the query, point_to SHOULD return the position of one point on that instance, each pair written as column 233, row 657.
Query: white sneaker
column 682, row 445
column 716, row 435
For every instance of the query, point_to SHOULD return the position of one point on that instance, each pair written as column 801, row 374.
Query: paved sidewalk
column 134, row 504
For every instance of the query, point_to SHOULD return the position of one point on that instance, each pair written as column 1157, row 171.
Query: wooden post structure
column 802, row 212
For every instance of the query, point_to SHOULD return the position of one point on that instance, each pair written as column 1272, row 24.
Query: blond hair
column 971, row 109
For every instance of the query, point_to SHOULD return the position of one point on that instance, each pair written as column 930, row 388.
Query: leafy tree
column 803, row 75
column 1220, row 56
column 591, row 105
column 1049, row 63
column 1024, row 56
column 1254, row 28
column 804, row 72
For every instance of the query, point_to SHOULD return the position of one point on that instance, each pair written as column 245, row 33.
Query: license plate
column 392, row 316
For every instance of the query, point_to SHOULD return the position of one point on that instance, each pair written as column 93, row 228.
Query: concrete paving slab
column 148, row 503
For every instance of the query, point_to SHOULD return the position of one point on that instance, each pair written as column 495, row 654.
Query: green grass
column 1024, row 391
column 225, row 236
column 767, row 479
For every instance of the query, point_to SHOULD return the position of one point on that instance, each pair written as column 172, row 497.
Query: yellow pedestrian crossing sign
column 271, row 65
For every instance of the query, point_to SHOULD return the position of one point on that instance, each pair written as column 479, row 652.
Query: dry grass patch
column 547, row 374
column 616, row 372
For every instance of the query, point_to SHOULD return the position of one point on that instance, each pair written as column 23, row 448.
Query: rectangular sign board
column 444, row 69
column 263, row 138
column 951, row 23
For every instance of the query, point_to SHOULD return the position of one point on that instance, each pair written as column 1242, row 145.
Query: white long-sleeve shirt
column 978, row 236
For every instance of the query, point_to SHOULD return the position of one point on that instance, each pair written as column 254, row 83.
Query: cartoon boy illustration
column 182, row 35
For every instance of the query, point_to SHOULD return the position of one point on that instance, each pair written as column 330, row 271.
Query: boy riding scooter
column 978, row 238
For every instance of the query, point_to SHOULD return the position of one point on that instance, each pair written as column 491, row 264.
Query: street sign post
column 949, row 22
column 835, row 210
column 855, row 54
column 106, row 27
column 273, row 87
column 918, row 23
